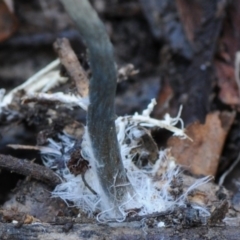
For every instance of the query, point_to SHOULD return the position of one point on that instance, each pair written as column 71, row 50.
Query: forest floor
column 183, row 52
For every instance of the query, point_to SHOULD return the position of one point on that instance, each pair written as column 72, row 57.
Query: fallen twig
column 70, row 61
column 27, row 168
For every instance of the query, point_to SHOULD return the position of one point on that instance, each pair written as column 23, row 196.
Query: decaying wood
column 70, row 61
column 33, row 198
column 198, row 75
column 100, row 232
column 27, row 168
column 190, row 75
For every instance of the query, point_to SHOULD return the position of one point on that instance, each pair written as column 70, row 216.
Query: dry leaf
column 8, row 22
column 229, row 93
column 164, row 97
column 229, row 44
column 201, row 156
column 190, row 13
column 30, row 219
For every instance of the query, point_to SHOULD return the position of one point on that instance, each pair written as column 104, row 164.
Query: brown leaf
column 201, row 156
column 164, row 97
column 30, row 219
column 229, row 93
column 229, row 44
column 230, row 38
column 8, row 22
column 190, row 13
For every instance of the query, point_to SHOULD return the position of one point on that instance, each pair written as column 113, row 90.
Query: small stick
column 38, row 148
column 27, row 168
column 86, row 184
column 70, row 61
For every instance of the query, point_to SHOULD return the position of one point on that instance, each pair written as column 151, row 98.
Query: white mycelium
column 152, row 185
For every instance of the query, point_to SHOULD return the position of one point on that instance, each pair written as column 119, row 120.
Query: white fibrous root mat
column 153, row 174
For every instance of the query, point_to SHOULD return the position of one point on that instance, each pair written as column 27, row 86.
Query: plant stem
column 101, row 114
